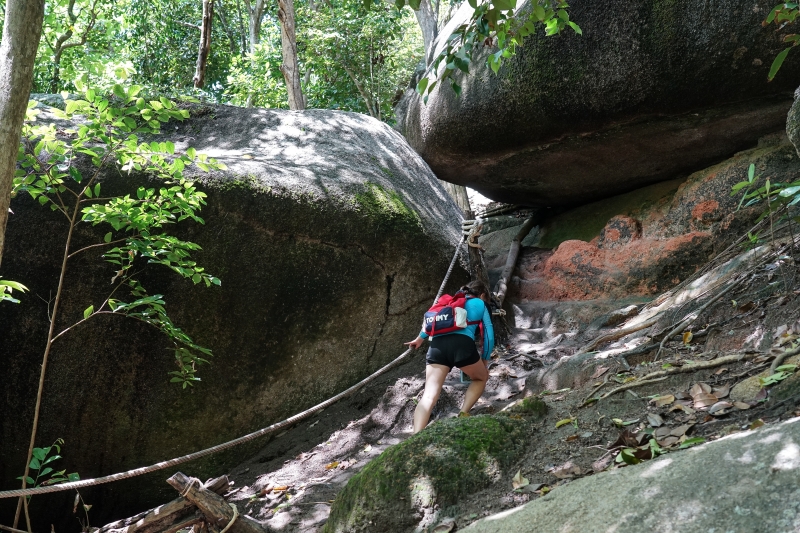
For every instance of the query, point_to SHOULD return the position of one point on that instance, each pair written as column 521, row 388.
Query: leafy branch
column 494, row 24
column 783, row 15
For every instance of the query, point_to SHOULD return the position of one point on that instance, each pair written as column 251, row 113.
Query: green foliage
column 54, row 170
column 41, row 466
column 494, row 23
column 7, row 287
column 781, row 373
column 776, row 195
column 360, row 59
column 783, row 15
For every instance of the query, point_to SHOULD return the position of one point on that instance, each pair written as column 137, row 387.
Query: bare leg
column 479, row 374
column 434, row 378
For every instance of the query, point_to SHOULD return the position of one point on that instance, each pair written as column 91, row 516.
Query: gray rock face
column 331, row 237
column 753, row 489
column 652, row 89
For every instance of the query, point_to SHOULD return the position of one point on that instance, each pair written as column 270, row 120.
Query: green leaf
column 14, row 285
column 88, row 311
column 538, row 12
column 119, row 91
column 505, row 5
column 776, row 64
column 107, row 237
column 73, row 477
column 688, row 443
column 97, row 190
column 577, row 29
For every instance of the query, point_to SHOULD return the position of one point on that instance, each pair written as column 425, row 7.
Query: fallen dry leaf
column 445, row 527
column 661, row 401
column 571, row 438
column 533, row 487
column 757, row 424
column 680, row 407
column 699, row 388
column 666, row 442
column 687, row 337
column 719, row 408
column 599, row 372
column 662, row 432
column 602, row 463
column 720, row 371
column 567, row 470
column 331, row 466
column 721, row 392
column 680, row 431
column 681, row 396
column 655, row 420
column 518, row 481
column 741, row 405
column 704, row 400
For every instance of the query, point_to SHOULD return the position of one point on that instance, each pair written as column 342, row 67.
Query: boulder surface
column 331, row 237
column 753, row 489
column 650, row 91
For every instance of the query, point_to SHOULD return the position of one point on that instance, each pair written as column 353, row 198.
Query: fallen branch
column 694, row 316
column 511, row 261
column 162, row 518
column 780, row 358
column 591, row 397
column 217, row 511
column 618, row 334
column 644, row 380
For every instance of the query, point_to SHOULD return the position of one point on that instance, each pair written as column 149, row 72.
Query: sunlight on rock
column 769, row 439
column 654, row 469
column 788, row 458
column 754, row 339
column 423, row 493
column 504, row 514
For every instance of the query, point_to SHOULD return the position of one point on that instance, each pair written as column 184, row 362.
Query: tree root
column 780, row 358
column 644, row 380
column 618, row 334
column 693, row 316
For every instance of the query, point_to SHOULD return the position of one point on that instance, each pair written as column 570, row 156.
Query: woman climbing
column 457, row 348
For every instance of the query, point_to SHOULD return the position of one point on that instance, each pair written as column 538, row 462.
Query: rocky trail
column 656, row 384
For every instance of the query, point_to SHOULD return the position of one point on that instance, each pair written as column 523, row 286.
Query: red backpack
column 447, row 315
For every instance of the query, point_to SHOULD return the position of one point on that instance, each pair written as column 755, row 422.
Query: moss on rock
column 386, row 206
column 440, row 465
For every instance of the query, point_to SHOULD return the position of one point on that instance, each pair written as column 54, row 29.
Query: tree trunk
column 511, row 261
column 21, row 34
column 428, row 20
column 205, row 44
column 459, row 194
column 255, row 13
column 291, row 72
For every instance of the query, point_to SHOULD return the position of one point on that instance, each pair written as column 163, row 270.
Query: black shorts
column 452, row 350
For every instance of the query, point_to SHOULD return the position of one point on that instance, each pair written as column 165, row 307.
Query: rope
column 202, row 453
column 230, row 444
column 235, row 516
column 465, row 237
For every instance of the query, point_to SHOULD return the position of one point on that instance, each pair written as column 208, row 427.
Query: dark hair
column 475, row 288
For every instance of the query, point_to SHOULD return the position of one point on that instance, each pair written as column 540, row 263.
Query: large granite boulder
column 586, row 262
column 331, row 237
column 652, row 90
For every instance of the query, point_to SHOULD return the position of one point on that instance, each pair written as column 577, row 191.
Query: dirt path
column 290, row 484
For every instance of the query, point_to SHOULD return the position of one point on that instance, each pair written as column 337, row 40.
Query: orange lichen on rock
column 579, row 270
column 706, row 211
